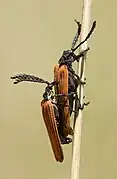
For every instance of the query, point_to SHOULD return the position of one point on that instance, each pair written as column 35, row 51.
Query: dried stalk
column 75, row 167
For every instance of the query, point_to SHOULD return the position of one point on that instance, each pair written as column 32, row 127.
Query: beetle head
column 49, row 94
column 67, row 57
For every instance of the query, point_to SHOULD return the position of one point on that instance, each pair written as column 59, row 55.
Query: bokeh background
column 33, row 35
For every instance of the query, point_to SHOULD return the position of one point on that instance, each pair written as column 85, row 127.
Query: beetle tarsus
column 81, row 107
column 65, row 140
column 87, row 103
column 84, row 104
column 83, row 82
column 85, row 79
column 82, row 53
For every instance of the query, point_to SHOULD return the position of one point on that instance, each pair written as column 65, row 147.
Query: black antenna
column 89, row 34
column 30, row 78
column 77, row 34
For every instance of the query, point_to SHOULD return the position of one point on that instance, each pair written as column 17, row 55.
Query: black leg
column 84, row 104
column 77, row 58
column 65, row 140
column 78, row 78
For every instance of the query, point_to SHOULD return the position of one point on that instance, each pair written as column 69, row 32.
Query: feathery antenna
column 87, row 37
column 29, row 78
column 77, row 34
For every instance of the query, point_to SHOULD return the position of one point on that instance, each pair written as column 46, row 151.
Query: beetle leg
column 84, row 104
column 65, row 140
column 82, row 53
column 87, row 103
column 81, row 107
column 82, row 82
column 78, row 78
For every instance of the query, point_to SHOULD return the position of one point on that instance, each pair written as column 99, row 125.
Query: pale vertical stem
column 75, row 167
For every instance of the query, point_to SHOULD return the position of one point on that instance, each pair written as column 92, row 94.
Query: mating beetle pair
column 57, row 104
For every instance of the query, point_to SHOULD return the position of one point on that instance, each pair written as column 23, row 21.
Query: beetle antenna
column 89, row 34
column 77, row 34
column 30, row 78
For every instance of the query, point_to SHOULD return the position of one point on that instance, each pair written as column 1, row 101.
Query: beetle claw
column 83, row 82
column 84, row 51
column 87, row 103
column 65, row 140
column 84, row 104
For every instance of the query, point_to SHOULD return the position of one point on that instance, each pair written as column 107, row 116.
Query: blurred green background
column 33, row 35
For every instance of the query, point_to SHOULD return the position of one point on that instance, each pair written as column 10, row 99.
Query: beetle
column 68, row 81
column 50, row 113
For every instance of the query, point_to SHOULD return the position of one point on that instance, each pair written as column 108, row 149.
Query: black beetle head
column 67, row 57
